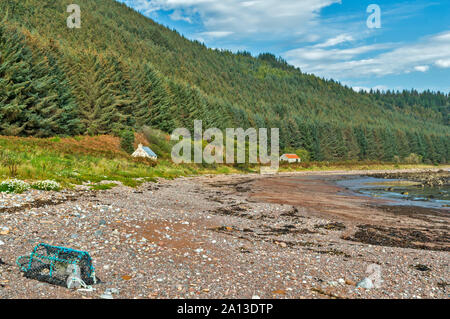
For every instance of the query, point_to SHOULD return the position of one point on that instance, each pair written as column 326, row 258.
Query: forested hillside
column 122, row 70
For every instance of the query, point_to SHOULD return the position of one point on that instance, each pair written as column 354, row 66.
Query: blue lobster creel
column 52, row 264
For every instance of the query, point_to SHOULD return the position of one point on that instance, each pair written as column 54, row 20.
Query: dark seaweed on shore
column 401, row 237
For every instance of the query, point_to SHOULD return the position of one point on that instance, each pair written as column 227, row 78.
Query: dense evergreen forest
column 121, row 70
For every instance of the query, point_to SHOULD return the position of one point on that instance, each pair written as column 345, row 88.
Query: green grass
column 103, row 187
column 52, row 159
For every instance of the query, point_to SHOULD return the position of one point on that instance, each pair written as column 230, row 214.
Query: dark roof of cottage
column 149, row 151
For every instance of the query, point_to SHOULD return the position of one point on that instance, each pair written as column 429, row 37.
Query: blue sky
column 329, row 38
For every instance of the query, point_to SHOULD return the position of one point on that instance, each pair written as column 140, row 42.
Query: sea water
column 399, row 192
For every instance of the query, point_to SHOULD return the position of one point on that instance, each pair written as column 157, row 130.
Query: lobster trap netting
column 59, row 266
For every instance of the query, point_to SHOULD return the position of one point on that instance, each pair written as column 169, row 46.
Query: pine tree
column 153, row 107
column 34, row 95
column 99, row 95
column 125, row 98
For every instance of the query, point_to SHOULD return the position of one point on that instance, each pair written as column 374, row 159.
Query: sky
column 406, row 46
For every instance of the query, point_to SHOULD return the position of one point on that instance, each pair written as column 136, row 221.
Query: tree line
column 122, row 71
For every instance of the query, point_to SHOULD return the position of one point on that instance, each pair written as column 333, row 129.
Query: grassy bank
column 86, row 159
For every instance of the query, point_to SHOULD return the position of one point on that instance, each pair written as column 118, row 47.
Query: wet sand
column 370, row 219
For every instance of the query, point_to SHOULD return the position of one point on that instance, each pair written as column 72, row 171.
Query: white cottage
column 291, row 158
column 144, row 151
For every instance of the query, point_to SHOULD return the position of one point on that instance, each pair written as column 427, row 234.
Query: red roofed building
column 291, row 158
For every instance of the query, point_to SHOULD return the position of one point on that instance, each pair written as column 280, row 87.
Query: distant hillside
column 122, row 70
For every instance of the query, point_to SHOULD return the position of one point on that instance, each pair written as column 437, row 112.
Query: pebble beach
column 222, row 237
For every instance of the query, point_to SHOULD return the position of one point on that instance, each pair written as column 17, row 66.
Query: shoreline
column 224, row 236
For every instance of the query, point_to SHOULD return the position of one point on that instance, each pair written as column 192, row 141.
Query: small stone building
column 145, row 151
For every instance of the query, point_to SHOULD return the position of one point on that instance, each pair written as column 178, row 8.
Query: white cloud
column 400, row 59
column 243, row 18
column 443, row 63
column 335, row 41
column 178, row 16
column 215, row 34
column 315, row 54
column 422, row 68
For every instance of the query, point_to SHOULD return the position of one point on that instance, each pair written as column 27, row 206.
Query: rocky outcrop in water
column 426, row 178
